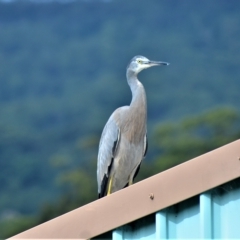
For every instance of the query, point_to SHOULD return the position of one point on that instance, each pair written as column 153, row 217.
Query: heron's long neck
column 139, row 101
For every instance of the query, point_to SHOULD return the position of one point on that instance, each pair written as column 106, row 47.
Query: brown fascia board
column 167, row 188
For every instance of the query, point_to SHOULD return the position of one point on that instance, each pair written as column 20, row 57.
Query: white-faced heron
column 123, row 143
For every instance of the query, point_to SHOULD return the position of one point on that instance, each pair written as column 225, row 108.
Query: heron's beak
column 156, row 63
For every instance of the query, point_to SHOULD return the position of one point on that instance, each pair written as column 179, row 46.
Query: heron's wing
column 107, row 148
column 145, row 145
column 145, row 152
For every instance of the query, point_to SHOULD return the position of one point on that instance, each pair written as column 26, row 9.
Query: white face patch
column 141, row 60
column 140, row 64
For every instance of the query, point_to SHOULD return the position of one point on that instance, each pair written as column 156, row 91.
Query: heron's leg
column 132, row 175
column 109, row 186
column 130, row 182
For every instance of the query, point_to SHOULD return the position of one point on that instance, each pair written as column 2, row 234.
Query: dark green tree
column 193, row 136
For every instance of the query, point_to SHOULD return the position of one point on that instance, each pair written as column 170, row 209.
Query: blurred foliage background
column 62, row 73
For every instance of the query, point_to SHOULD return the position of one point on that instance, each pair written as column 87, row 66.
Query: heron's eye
column 139, row 61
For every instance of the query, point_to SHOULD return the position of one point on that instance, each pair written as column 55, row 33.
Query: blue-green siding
column 211, row 215
column 226, row 213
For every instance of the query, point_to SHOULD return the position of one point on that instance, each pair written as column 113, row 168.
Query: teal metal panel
column 161, row 225
column 206, row 227
column 145, row 233
column 117, row 234
column 141, row 229
column 226, row 211
column 183, row 220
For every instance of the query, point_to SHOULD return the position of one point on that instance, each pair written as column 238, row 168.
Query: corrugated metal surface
column 211, row 215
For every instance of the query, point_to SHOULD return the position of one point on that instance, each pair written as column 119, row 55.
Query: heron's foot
column 109, row 186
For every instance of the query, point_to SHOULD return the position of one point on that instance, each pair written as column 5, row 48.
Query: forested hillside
column 62, row 73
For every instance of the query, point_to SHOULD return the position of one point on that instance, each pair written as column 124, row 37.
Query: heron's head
column 138, row 63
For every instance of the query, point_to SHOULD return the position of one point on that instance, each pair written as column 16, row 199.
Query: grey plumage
column 123, row 143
